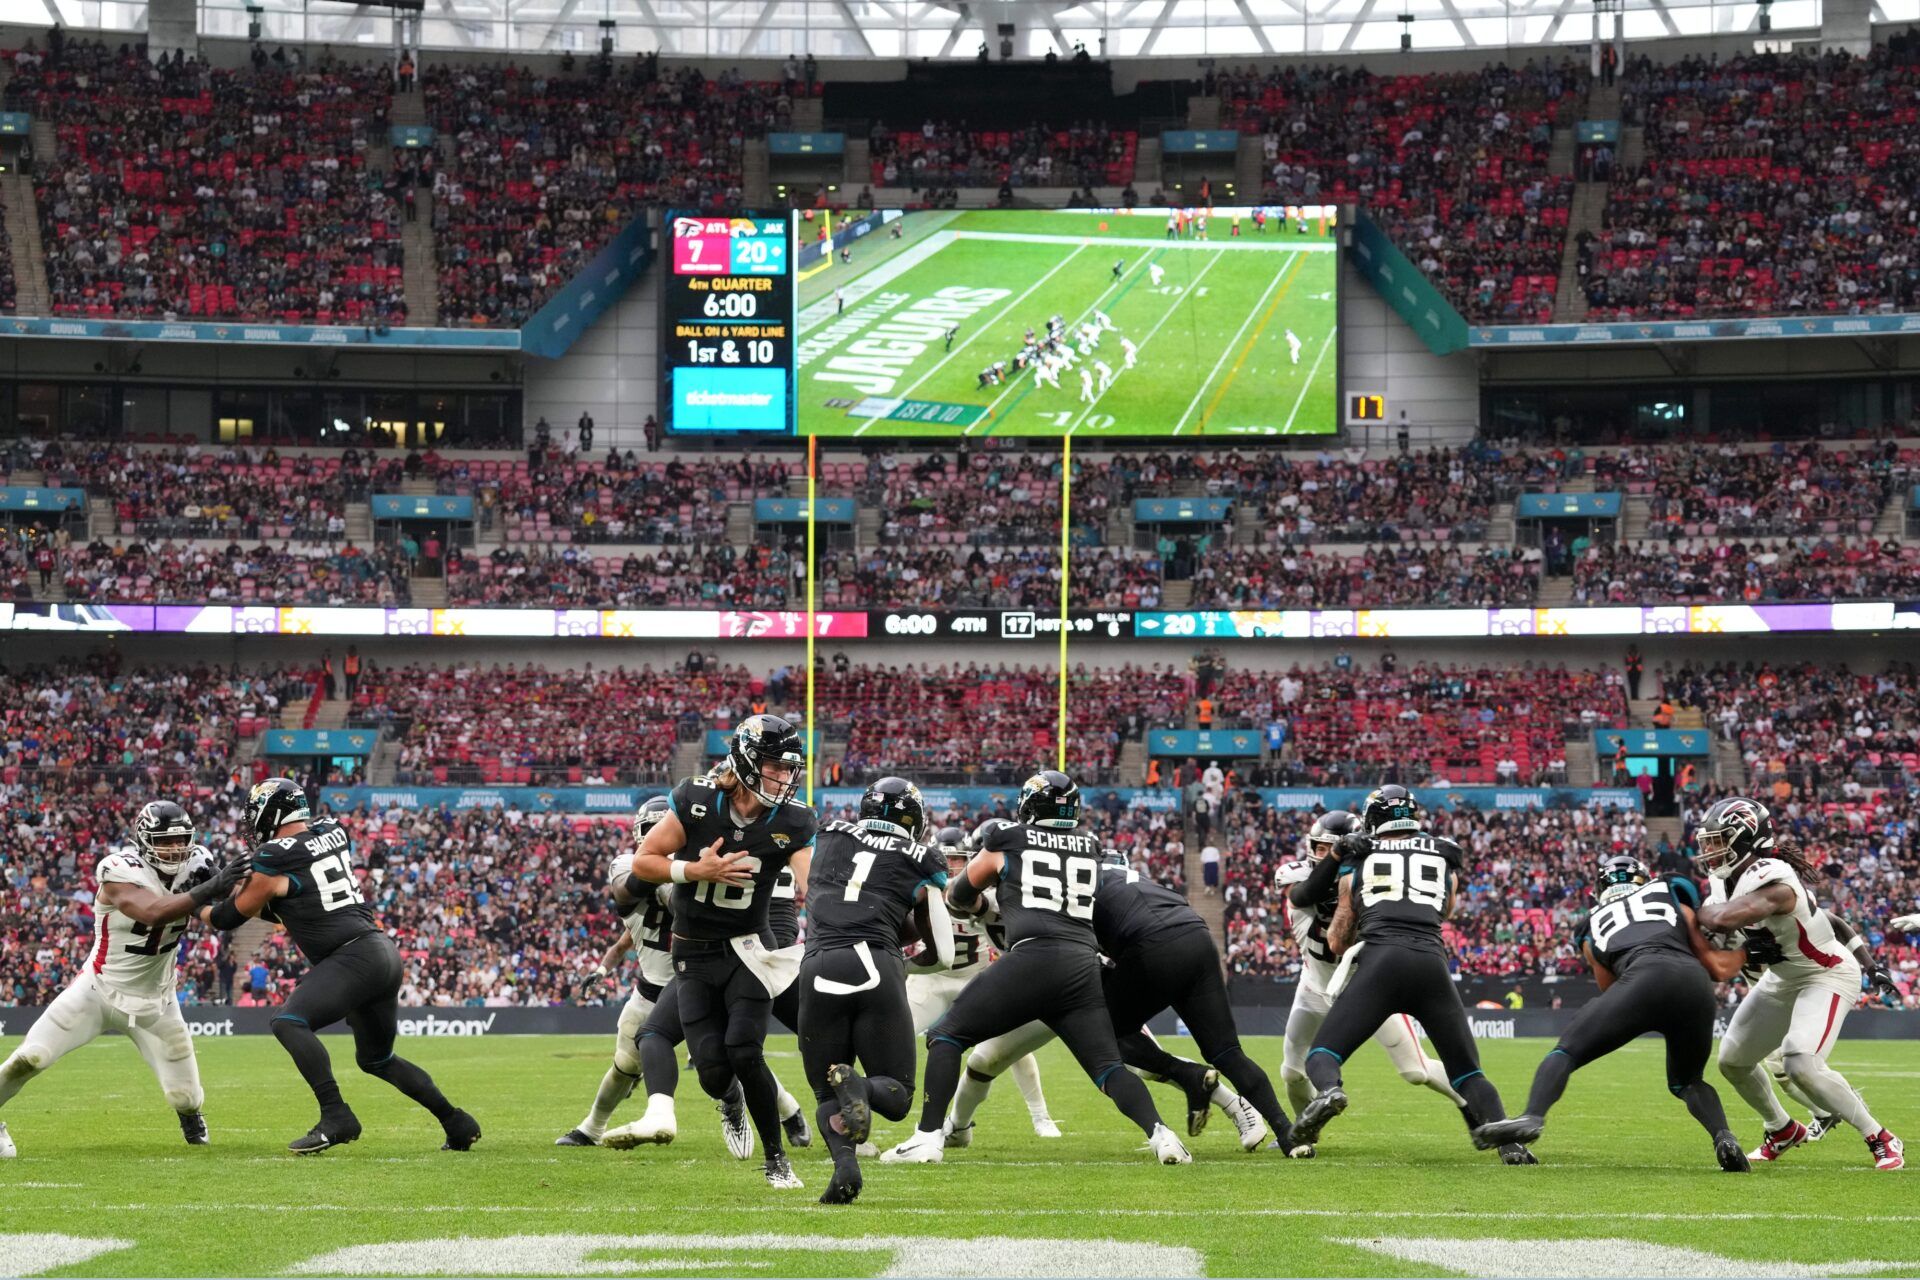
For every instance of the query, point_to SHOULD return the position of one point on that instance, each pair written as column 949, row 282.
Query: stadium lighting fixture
column 1406, row 32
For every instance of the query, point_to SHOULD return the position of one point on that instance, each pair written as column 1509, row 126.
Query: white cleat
column 1167, row 1147
column 7, row 1150
column 780, row 1174
column 657, row 1127
column 737, row 1132
column 921, row 1148
column 1043, row 1127
column 1253, row 1129
column 957, row 1138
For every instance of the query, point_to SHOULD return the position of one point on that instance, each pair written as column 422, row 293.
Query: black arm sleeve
column 1318, row 884
column 225, row 916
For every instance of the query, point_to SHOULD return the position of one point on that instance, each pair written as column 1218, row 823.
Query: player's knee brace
column 626, row 1059
column 185, row 1099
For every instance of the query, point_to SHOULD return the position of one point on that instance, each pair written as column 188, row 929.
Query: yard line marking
column 820, row 312
column 978, row 330
column 1232, row 343
column 1292, row 272
column 1179, row 302
column 1228, row 244
column 1312, row 373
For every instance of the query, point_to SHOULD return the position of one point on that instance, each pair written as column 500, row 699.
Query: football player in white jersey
column 146, row 894
column 930, row 995
column 1758, row 889
column 1309, row 900
column 646, row 922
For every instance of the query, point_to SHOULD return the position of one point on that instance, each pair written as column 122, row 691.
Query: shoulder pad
column 621, row 866
column 1763, row 872
column 693, row 799
column 1292, row 873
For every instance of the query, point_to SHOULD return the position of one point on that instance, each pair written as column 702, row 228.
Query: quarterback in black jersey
column 303, row 878
column 1656, row 973
column 1047, row 871
column 1162, row 956
column 866, row 878
column 723, row 848
column 1397, row 886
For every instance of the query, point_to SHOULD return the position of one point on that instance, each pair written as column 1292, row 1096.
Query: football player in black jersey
column 1047, row 872
column 723, row 848
column 303, row 878
column 1656, row 973
column 866, row 878
column 1163, row 956
column 1397, row 886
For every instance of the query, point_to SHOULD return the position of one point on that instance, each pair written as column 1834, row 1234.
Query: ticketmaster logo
column 433, row 1025
column 729, row 399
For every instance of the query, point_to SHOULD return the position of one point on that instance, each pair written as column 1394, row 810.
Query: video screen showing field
column 1158, row 322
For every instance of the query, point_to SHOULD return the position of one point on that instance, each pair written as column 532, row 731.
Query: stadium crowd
column 134, row 572
column 1694, row 569
column 1784, row 490
column 1296, row 577
column 573, row 577
column 1811, row 730
column 943, row 154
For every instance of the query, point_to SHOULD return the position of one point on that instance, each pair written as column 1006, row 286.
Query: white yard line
column 986, row 419
column 1312, row 373
column 1227, row 244
column 1227, row 350
column 1186, row 295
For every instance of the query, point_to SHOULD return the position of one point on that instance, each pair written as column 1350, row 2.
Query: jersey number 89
column 1043, row 887
column 1393, row 876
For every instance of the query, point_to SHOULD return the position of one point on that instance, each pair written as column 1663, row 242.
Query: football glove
column 1906, row 924
column 1880, row 981
column 223, row 882
column 591, row 984
column 1353, row 847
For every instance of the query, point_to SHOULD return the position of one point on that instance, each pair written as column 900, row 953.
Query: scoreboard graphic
column 727, row 325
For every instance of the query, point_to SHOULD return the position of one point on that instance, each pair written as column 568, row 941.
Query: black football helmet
column 954, row 846
column 1050, row 799
column 648, row 816
column 896, row 802
column 1327, row 829
column 765, row 740
column 1619, row 874
column 274, row 803
column 978, row 840
column 1731, row 831
column 163, row 833
column 1389, row 809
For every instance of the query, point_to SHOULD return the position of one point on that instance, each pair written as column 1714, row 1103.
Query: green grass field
column 1213, row 357
column 1626, row 1180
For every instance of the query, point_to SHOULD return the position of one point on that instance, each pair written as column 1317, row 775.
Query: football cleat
column 1819, row 1127
column 797, row 1130
column 7, row 1150
column 1889, row 1152
column 850, row 1091
column 1043, row 1127
column 962, row 1137
column 1516, row 1153
column 1314, row 1116
column 921, row 1148
column 735, row 1129
column 1727, row 1150
column 867, row 1151
column 1200, row 1101
column 780, row 1174
column 1503, row 1133
column 1295, row 1149
column 1167, row 1147
column 193, row 1127
column 333, row 1130
column 1246, row 1120
column 1779, row 1142
column 844, row 1187
column 462, row 1132
column 574, row 1138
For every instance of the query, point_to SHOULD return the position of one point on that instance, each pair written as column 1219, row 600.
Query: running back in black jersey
column 322, row 910
column 1643, row 923
column 863, row 884
column 719, row 911
column 1131, row 914
column 783, row 915
column 1048, row 883
column 1401, row 886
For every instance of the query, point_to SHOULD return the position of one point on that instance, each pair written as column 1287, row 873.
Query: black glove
column 224, row 881
column 1352, row 847
column 1880, row 982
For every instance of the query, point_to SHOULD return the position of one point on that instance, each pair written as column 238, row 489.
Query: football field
column 1231, row 336
column 1627, row 1185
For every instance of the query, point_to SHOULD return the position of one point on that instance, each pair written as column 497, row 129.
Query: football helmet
column 648, row 816
column 163, row 833
column 1731, row 831
column 1619, row 874
column 1390, row 808
column 274, row 803
column 978, row 840
column 954, row 847
column 896, row 802
column 765, row 740
column 1112, row 859
column 1049, row 799
column 1323, row 838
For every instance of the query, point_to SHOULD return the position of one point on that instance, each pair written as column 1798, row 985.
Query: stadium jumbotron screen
column 1156, row 322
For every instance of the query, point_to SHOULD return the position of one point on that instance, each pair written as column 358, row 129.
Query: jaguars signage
column 1651, row 742
column 1205, row 742
column 321, row 742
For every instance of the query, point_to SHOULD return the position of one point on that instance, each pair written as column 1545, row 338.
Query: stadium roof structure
column 953, row 29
